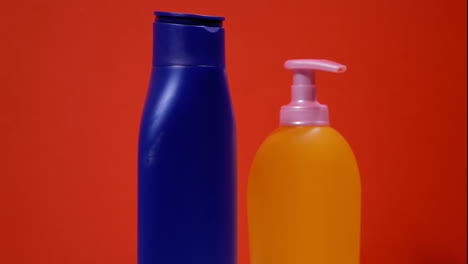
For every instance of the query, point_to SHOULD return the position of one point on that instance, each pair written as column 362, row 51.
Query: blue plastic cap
column 188, row 39
column 188, row 19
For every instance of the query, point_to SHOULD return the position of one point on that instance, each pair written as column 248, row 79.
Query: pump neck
column 304, row 109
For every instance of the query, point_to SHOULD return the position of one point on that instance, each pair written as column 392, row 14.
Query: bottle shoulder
column 306, row 134
column 305, row 139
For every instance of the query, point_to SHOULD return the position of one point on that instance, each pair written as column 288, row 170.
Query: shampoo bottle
column 304, row 189
column 187, row 153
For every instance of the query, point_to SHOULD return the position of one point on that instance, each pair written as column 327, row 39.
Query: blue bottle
column 187, row 153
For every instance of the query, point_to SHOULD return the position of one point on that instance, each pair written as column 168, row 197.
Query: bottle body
column 304, row 199
column 187, row 168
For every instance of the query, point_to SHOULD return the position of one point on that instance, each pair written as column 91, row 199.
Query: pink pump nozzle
column 304, row 109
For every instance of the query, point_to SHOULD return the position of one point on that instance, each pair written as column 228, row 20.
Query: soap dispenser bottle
column 304, row 193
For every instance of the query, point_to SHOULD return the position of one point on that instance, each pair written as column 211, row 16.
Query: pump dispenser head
column 304, row 109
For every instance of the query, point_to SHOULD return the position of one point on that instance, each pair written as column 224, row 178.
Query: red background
column 73, row 79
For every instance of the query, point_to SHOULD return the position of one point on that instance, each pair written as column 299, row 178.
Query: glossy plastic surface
column 187, row 154
column 304, row 108
column 187, row 169
column 188, row 19
column 304, row 199
column 188, row 39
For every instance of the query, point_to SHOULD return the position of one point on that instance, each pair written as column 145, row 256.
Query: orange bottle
column 304, row 193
